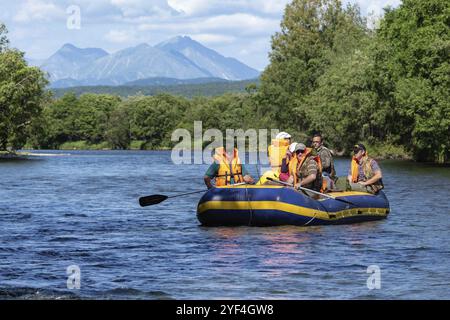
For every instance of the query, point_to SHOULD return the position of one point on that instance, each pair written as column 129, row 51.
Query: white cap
column 283, row 135
column 292, row 147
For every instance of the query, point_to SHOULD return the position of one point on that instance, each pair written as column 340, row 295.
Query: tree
column 4, row 41
column 412, row 63
column 93, row 116
column 118, row 133
column 154, row 118
column 301, row 53
column 21, row 96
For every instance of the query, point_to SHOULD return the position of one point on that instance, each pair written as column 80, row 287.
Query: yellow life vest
column 268, row 174
column 277, row 151
column 227, row 168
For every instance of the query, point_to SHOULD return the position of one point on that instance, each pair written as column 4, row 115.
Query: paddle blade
column 151, row 200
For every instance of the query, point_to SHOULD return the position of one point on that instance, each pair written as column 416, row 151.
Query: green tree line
column 387, row 86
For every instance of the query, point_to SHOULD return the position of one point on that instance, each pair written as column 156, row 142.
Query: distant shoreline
column 25, row 153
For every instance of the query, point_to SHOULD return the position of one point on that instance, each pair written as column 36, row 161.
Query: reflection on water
column 81, row 209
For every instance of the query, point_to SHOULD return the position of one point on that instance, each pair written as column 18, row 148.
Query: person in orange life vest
column 307, row 171
column 364, row 174
column 226, row 169
column 289, row 162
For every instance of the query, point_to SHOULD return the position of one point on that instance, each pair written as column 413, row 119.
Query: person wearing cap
column 277, row 152
column 289, row 162
column 307, row 172
column 364, row 174
column 283, row 135
column 226, row 169
column 278, row 149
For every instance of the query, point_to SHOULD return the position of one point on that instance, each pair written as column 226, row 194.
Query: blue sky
column 236, row 28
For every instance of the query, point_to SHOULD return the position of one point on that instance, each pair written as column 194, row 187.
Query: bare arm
column 208, row 182
column 309, row 179
column 378, row 175
column 248, row 179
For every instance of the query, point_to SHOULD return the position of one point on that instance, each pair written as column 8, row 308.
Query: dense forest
column 387, row 87
column 188, row 90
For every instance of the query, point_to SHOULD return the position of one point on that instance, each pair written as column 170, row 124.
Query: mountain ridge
column 179, row 58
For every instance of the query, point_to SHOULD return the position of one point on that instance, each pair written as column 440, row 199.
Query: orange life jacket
column 318, row 184
column 293, row 163
column 228, row 167
column 277, row 152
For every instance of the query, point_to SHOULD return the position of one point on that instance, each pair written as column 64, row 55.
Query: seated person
column 364, row 174
column 226, row 169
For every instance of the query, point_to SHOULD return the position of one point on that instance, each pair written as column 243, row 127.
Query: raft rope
column 315, row 214
column 257, row 166
column 250, row 206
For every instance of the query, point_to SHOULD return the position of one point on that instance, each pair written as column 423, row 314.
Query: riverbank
column 388, row 151
column 377, row 151
column 22, row 155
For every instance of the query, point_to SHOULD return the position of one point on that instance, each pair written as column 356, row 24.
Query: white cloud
column 368, row 6
column 190, row 7
column 38, row 10
column 373, row 9
column 242, row 24
column 202, row 7
column 208, row 38
column 138, row 8
column 120, row 36
column 269, row 7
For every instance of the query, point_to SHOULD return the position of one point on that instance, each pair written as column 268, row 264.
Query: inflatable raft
column 267, row 205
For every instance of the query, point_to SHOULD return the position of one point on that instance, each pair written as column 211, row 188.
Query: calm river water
column 81, row 208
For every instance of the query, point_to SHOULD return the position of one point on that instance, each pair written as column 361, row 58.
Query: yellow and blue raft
column 268, row 205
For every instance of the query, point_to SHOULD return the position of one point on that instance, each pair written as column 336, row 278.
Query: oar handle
column 186, row 194
column 194, row 192
column 158, row 198
column 309, row 190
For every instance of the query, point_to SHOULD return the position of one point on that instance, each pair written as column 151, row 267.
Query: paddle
column 158, row 198
column 312, row 191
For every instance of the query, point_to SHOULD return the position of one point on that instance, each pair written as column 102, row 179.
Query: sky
column 235, row 28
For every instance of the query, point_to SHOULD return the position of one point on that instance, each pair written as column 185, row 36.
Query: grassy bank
column 388, row 151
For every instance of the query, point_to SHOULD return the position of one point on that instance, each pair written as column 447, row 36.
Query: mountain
column 177, row 58
column 159, row 81
column 140, row 62
column 70, row 61
column 207, row 59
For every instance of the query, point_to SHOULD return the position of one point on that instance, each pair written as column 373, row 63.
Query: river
column 81, row 209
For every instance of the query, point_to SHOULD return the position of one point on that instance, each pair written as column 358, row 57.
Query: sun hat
column 283, row 135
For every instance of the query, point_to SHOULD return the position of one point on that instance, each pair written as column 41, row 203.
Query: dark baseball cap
column 358, row 146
